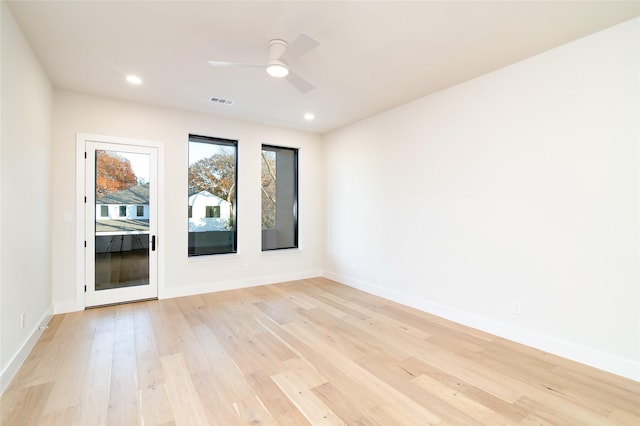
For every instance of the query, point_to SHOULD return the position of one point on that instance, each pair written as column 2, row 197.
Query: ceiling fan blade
column 299, row 83
column 301, row 46
column 222, row 64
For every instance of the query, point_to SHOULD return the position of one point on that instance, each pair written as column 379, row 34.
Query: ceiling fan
column 281, row 57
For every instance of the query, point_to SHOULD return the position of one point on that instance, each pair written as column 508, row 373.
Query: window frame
column 234, row 210
column 296, row 207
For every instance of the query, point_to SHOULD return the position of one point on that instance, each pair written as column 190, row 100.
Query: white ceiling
column 372, row 55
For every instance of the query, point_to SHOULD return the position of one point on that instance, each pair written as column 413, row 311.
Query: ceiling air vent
column 222, row 101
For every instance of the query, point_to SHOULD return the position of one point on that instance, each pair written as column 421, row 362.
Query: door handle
column 153, row 243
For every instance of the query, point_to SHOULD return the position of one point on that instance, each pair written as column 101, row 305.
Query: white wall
column 521, row 185
column 78, row 113
column 25, row 267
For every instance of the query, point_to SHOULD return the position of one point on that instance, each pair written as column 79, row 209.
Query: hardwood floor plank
column 161, row 315
column 311, row 407
column 416, row 367
column 306, row 371
column 298, row 353
column 183, row 397
column 601, row 386
column 462, row 403
column 62, row 417
column 410, row 411
column 432, row 324
column 52, row 328
column 123, row 398
column 390, row 373
column 366, row 400
column 155, row 408
column 275, row 400
column 622, row 417
column 543, row 377
column 252, row 410
column 504, row 387
column 96, row 388
column 154, row 404
column 72, row 364
column 28, row 405
column 533, row 420
column 149, row 368
column 339, row 403
column 375, row 317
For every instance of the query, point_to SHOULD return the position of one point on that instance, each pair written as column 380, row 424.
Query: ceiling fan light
column 277, row 70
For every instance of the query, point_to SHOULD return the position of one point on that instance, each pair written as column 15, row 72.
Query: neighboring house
column 208, row 212
column 122, row 213
column 132, row 203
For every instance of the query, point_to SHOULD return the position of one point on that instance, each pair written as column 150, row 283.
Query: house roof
column 135, row 195
column 205, row 194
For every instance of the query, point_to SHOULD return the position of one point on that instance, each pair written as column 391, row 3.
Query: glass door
column 121, row 230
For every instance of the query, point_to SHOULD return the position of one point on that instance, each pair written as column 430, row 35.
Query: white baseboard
column 18, row 359
column 584, row 355
column 65, row 307
column 168, row 293
column 236, row 284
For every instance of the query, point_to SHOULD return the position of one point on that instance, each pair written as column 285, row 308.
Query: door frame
column 81, row 175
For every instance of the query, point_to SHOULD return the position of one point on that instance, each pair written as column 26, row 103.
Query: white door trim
column 81, row 140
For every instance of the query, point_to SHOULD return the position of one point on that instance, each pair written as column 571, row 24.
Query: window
column 139, row 211
column 212, row 195
column 122, row 211
column 104, row 211
column 212, row 211
column 279, row 185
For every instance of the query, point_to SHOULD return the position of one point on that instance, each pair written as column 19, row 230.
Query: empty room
column 320, row 212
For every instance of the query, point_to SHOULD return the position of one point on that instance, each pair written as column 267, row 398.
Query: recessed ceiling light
column 309, row 116
column 134, row 79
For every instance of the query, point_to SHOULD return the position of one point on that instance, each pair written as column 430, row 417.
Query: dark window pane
column 279, row 186
column 139, row 211
column 122, row 211
column 104, row 211
column 212, row 195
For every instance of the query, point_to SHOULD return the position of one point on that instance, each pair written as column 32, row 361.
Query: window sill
column 281, row 251
column 212, row 257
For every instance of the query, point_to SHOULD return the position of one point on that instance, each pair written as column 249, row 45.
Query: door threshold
column 120, row 303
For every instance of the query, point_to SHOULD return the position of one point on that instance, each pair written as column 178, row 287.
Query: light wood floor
column 304, row 352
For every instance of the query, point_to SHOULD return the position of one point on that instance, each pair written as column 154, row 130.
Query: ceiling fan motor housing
column 276, row 67
column 277, row 48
